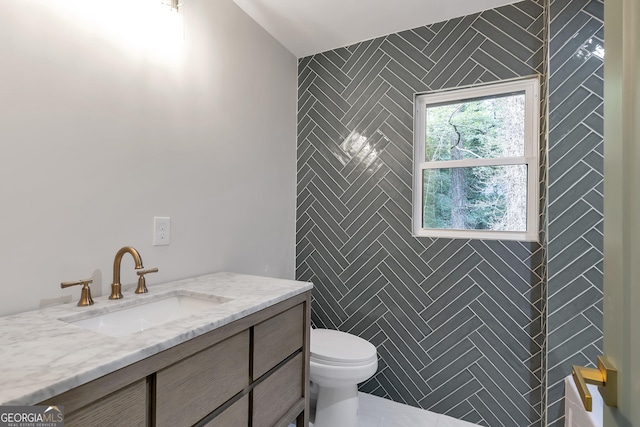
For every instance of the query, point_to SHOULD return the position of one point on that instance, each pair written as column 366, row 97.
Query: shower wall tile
column 457, row 323
column 575, row 216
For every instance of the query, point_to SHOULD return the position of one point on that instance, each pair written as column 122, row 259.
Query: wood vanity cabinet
column 253, row 372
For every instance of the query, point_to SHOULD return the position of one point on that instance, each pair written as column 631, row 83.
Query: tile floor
column 378, row 412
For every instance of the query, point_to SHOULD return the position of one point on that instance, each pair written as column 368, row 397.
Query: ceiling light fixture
column 173, row 4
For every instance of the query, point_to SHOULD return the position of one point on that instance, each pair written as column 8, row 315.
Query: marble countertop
column 42, row 356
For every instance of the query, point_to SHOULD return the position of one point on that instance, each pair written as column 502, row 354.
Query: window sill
column 522, row 236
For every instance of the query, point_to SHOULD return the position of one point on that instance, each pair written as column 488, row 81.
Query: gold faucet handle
column 85, row 293
column 150, row 270
column 142, row 283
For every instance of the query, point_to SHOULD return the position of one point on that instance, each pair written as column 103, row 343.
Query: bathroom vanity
column 242, row 362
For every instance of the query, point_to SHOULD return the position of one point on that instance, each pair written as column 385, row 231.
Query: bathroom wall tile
column 520, row 400
column 494, row 24
column 505, row 251
column 388, row 387
column 324, row 75
column 568, row 330
column 568, row 101
column 566, row 350
column 465, row 69
column 493, row 416
column 452, row 33
column 398, row 67
column 567, row 123
column 469, row 325
column 443, row 407
column 498, row 264
column 489, row 344
column 445, row 359
column 581, row 264
column 453, row 59
column 577, row 69
column 406, row 340
column 507, row 58
column 398, row 365
column 571, row 27
column 372, row 310
column 337, row 57
column 494, row 67
column 373, row 201
column 327, row 122
column 569, row 253
column 558, row 373
column 444, row 390
column 518, row 299
column 333, row 72
column 333, row 103
column 469, row 292
column 577, row 230
column 595, row 159
column 416, row 40
column 410, row 58
column 461, row 410
column 442, row 302
column 455, row 269
column 454, row 366
column 515, row 339
column 567, row 293
column 415, row 297
column 576, row 306
column 594, row 350
column 568, row 153
column 372, row 68
column 364, row 238
column 591, row 180
column 514, row 416
column 365, row 290
column 361, row 53
column 595, row 82
column 404, row 322
column 420, row 299
column 373, row 173
column 574, row 42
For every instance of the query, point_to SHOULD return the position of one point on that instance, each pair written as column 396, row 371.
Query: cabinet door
column 276, row 339
column 274, row 396
column 236, row 415
column 191, row 389
column 126, row 407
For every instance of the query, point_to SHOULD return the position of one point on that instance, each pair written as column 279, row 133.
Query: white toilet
column 339, row 362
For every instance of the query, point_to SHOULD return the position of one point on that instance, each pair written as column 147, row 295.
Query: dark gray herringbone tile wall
column 457, row 323
column 575, row 252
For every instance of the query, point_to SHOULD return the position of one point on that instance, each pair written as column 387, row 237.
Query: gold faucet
column 116, row 287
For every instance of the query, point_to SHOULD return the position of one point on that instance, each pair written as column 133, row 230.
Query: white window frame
column 531, row 89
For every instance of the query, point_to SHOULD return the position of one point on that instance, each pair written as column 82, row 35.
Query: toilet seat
column 335, row 348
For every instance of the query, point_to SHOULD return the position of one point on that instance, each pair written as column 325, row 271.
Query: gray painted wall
column 457, row 323
column 101, row 132
column 575, row 193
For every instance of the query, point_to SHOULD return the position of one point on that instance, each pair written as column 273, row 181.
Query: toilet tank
column 574, row 413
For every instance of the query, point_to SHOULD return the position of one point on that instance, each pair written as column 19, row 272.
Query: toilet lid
column 335, row 347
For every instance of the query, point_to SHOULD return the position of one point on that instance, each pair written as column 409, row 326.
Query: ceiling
column 306, row 27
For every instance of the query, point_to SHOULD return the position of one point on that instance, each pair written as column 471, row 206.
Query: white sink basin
column 141, row 316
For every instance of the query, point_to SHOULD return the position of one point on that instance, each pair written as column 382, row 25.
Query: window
column 476, row 162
